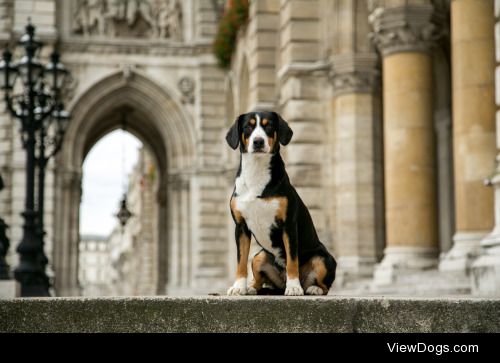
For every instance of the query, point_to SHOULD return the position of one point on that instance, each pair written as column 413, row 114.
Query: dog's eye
column 247, row 129
column 269, row 128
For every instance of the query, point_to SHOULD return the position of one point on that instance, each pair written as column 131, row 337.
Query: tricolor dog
column 264, row 204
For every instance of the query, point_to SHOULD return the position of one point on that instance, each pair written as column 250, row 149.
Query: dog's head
column 259, row 132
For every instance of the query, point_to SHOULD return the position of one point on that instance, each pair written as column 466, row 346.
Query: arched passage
column 150, row 113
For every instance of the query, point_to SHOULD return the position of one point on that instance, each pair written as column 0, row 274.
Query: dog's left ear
column 233, row 135
column 285, row 133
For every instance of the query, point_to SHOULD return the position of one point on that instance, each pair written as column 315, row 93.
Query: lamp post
column 39, row 109
column 4, row 245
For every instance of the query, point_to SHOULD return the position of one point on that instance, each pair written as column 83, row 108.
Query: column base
column 9, row 289
column 485, row 270
column 485, row 273
column 354, row 267
column 466, row 248
column 401, row 259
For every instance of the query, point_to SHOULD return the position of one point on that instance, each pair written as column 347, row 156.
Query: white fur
column 239, row 287
column 293, row 287
column 314, row 290
column 258, row 132
column 259, row 214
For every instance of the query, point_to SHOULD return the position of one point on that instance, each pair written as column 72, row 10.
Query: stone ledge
column 250, row 314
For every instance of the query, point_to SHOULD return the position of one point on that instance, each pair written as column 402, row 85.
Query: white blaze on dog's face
column 258, row 142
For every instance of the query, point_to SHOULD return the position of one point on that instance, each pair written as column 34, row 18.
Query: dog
column 265, row 204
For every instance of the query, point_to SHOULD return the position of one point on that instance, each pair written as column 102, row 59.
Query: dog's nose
column 258, row 143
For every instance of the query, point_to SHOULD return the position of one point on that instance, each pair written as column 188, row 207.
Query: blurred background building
column 392, row 103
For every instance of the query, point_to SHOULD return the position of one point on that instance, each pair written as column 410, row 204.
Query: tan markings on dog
column 241, row 270
column 282, row 208
column 245, row 140
column 320, row 269
column 292, row 266
column 272, row 140
column 266, row 272
column 265, row 122
column 236, row 213
column 258, row 262
column 304, row 272
column 252, row 122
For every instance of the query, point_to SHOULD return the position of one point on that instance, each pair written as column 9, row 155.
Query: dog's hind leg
column 315, row 276
column 265, row 272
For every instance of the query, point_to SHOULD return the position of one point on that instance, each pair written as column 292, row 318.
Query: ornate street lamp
column 4, row 245
column 123, row 214
column 40, row 111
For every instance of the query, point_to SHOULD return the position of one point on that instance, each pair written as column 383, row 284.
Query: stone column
column 403, row 33
column 357, row 143
column 485, row 270
column 473, row 128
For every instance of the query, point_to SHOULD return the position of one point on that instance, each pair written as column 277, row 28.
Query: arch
column 152, row 115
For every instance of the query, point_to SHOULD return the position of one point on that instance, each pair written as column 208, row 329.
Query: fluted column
column 404, row 34
column 485, row 275
column 473, row 128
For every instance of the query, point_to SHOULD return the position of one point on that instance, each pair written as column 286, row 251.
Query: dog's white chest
column 259, row 214
column 260, row 217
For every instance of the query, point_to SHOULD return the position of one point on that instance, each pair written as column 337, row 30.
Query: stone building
column 392, row 103
column 94, row 272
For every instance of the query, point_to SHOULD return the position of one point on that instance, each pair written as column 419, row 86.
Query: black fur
column 304, row 241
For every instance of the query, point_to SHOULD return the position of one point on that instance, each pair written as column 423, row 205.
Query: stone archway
column 161, row 124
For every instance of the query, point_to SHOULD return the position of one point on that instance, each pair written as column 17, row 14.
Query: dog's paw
column 235, row 290
column 251, row 290
column 239, row 287
column 314, row 290
column 293, row 288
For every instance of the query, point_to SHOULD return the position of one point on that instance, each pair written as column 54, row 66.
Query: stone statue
column 89, row 17
column 129, row 18
column 170, row 20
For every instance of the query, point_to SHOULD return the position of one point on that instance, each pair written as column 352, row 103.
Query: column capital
column 406, row 27
column 355, row 73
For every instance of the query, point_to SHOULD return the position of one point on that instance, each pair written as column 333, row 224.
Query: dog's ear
column 233, row 135
column 285, row 133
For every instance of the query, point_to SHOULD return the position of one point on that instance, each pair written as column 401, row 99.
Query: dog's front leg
column 243, row 236
column 290, row 240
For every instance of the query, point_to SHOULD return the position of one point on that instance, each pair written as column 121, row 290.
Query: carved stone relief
column 157, row 19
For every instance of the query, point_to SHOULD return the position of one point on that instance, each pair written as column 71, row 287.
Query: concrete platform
column 250, row 314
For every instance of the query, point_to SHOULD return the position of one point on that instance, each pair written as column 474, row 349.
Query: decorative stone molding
column 410, row 28
column 186, row 86
column 355, row 73
column 133, row 46
column 128, row 18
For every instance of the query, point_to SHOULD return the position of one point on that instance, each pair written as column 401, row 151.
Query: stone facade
column 391, row 103
column 94, row 266
column 152, row 66
column 394, row 182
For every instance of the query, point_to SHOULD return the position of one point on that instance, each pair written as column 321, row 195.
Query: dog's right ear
column 233, row 135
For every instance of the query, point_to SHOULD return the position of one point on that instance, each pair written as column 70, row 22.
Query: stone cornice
column 406, row 28
column 133, row 47
column 355, row 73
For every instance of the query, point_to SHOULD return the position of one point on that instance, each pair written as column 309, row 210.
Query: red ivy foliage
column 235, row 15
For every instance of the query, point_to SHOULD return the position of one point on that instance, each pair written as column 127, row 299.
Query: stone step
column 250, row 314
column 426, row 283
